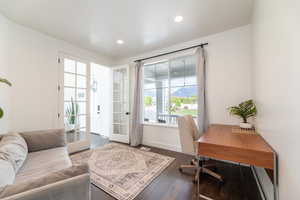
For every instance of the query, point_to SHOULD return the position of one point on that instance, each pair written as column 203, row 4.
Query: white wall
column 276, row 89
column 33, row 70
column 228, row 80
column 4, row 90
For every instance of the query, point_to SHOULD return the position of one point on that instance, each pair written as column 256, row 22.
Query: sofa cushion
column 43, row 181
column 41, row 163
column 13, row 148
column 46, row 139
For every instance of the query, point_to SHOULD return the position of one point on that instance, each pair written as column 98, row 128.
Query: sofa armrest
column 69, row 184
column 45, row 139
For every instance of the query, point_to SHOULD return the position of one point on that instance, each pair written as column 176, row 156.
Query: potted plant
column 2, row 80
column 244, row 110
column 72, row 115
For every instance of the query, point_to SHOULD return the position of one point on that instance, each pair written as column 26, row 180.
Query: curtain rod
column 163, row 54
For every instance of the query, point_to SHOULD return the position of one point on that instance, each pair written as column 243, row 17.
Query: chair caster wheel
column 215, row 169
column 180, row 170
column 222, row 182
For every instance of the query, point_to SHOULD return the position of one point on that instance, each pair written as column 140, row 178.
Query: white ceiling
column 144, row 25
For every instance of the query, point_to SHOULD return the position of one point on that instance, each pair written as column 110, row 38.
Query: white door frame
column 82, row 144
column 119, row 137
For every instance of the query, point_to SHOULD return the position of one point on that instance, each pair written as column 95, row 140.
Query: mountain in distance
column 176, row 92
column 185, row 92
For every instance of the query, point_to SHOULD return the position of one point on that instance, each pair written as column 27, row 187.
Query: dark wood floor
column 173, row 185
column 96, row 139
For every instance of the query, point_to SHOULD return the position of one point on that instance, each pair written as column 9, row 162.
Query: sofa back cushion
column 46, row 139
column 13, row 152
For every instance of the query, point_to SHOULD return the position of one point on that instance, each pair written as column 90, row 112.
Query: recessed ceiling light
column 120, row 42
column 178, row 19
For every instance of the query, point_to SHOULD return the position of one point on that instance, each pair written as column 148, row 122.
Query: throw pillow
column 13, row 149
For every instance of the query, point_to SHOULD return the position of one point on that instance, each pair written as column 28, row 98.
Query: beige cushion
column 42, row 140
column 13, row 148
column 40, row 163
column 43, row 181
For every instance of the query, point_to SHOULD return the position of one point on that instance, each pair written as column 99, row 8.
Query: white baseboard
column 162, row 146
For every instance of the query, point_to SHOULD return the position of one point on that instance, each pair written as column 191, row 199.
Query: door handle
column 127, row 113
column 98, row 109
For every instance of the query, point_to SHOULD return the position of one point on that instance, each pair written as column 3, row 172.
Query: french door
column 74, row 101
column 120, row 129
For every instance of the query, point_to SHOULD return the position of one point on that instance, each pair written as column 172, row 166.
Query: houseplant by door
column 244, row 110
column 72, row 116
column 2, row 80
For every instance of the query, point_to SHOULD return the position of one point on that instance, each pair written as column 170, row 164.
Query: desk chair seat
column 189, row 135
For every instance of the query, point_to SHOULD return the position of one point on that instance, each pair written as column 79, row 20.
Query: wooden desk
column 219, row 142
column 222, row 143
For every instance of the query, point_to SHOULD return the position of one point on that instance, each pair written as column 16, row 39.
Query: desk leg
column 198, row 178
column 275, row 178
column 198, row 183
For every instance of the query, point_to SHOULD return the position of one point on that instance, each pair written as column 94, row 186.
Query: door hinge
column 58, row 115
column 58, row 60
column 58, row 87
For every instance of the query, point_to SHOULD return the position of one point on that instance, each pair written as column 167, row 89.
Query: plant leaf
column 2, row 80
column 1, row 113
column 72, row 112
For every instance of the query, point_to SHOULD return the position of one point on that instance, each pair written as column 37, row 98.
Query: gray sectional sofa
column 36, row 166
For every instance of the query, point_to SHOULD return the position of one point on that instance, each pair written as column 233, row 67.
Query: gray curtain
column 201, row 80
column 136, row 133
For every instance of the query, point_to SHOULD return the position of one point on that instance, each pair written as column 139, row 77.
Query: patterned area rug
column 122, row 171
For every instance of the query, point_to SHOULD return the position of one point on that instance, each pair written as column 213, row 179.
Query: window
column 75, row 95
column 170, row 90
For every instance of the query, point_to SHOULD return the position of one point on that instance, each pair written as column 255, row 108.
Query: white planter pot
column 245, row 125
column 70, row 127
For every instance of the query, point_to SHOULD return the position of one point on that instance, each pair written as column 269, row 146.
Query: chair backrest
column 188, row 134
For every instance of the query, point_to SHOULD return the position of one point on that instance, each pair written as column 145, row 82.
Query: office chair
column 188, row 138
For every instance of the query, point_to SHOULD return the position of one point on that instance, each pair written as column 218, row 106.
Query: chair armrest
column 45, row 139
column 69, row 184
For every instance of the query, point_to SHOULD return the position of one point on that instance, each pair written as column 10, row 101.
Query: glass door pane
column 75, row 100
column 120, row 130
